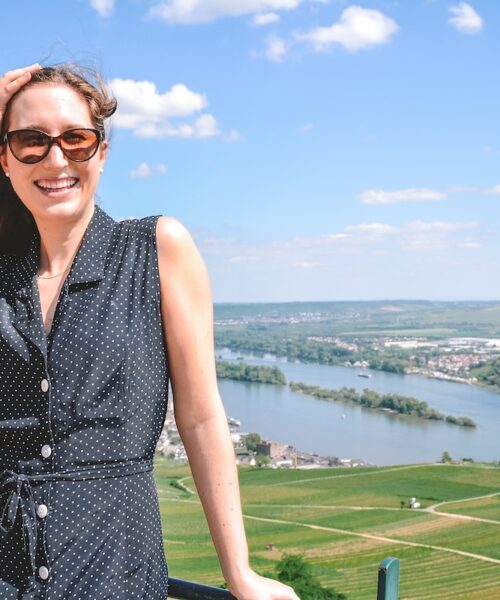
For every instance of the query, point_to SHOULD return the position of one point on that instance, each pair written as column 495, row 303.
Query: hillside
column 346, row 521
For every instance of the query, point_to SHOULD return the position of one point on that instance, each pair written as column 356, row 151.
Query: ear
column 103, row 153
column 3, row 160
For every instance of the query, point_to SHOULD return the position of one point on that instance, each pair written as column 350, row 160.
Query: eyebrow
column 70, row 126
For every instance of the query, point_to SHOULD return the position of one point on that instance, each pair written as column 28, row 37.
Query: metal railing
column 188, row 590
column 388, row 579
column 180, row 589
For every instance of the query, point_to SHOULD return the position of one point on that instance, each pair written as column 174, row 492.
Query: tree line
column 403, row 405
column 243, row 372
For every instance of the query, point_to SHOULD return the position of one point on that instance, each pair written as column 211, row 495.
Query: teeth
column 56, row 184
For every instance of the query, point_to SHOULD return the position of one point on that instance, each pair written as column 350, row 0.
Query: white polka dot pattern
column 81, row 411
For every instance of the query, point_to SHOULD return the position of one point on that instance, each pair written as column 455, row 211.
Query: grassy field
column 345, row 522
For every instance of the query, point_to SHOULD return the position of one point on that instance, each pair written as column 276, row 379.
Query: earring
column 7, row 174
column 101, row 169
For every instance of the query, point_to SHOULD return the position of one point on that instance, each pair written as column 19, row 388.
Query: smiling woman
column 87, row 305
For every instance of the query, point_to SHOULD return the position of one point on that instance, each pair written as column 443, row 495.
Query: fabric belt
column 18, row 519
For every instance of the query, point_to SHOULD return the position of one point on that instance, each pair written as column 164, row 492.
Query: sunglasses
column 30, row 146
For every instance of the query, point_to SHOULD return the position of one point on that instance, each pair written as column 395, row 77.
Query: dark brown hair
column 17, row 225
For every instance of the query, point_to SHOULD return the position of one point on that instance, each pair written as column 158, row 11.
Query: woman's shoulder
column 174, row 239
column 177, row 251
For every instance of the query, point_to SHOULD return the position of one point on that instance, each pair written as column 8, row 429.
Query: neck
column 60, row 240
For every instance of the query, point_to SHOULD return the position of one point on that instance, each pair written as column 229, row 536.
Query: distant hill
column 468, row 318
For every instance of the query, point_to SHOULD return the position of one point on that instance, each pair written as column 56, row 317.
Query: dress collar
column 89, row 262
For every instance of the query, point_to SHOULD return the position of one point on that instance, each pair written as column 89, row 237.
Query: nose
column 56, row 157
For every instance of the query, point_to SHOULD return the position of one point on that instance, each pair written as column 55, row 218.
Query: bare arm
column 187, row 315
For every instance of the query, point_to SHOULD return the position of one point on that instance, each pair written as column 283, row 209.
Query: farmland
column 344, row 522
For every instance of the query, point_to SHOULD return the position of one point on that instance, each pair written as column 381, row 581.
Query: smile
column 56, row 185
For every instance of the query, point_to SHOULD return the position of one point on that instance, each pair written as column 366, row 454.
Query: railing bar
column 181, row 589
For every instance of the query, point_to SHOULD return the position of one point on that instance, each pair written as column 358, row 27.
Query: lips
column 56, row 185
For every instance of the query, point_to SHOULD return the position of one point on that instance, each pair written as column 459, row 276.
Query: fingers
column 15, row 73
column 13, row 86
column 14, row 80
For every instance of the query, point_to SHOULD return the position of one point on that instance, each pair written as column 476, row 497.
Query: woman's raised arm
column 187, row 314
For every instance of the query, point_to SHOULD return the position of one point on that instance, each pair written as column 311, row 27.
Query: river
column 350, row 431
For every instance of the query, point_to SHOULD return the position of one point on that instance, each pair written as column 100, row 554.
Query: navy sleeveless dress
column 81, row 411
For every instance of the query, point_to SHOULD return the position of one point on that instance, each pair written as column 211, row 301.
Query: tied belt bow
column 19, row 527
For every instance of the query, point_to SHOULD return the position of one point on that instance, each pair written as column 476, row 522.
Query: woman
column 95, row 316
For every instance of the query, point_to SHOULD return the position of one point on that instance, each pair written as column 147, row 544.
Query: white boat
column 367, row 375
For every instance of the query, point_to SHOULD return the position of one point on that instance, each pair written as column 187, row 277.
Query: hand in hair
column 12, row 82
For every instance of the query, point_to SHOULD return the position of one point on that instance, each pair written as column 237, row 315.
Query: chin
column 66, row 207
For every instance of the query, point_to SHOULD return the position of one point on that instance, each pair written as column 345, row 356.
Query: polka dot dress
column 81, row 411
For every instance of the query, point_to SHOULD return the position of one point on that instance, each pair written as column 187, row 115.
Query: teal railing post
column 388, row 579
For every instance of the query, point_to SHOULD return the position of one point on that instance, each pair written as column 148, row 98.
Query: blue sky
column 316, row 149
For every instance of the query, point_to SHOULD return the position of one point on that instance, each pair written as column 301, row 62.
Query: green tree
column 251, row 440
column 293, row 570
column 446, row 458
column 262, row 460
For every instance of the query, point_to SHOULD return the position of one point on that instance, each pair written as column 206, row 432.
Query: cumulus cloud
column 149, row 113
column 379, row 197
column 204, row 11
column 263, row 19
column 408, row 195
column 358, row 28
column 144, row 170
column 103, row 7
column 276, row 48
column 381, row 239
column 465, row 18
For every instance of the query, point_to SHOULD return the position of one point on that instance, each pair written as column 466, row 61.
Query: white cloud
column 357, row 29
column 441, row 226
column 103, row 7
column 421, row 236
column 408, row 195
column 263, row 19
column 149, row 113
column 363, row 239
column 465, row 19
column 204, row 11
column 275, row 48
column 233, row 136
column 371, row 228
column 306, row 128
column 144, row 170
column 421, row 194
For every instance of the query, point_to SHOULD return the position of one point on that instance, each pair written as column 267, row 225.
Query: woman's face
column 56, row 186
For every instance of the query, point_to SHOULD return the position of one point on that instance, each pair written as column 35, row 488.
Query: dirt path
column 433, row 509
column 375, row 537
column 364, row 474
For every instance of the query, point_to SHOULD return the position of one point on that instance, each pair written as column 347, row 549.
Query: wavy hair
column 17, row 225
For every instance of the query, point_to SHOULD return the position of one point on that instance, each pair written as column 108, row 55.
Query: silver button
column 42, row 510
column 44, row 384
column 46, row 451
column 43, row 572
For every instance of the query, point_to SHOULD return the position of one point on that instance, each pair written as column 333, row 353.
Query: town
column 251, row 450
